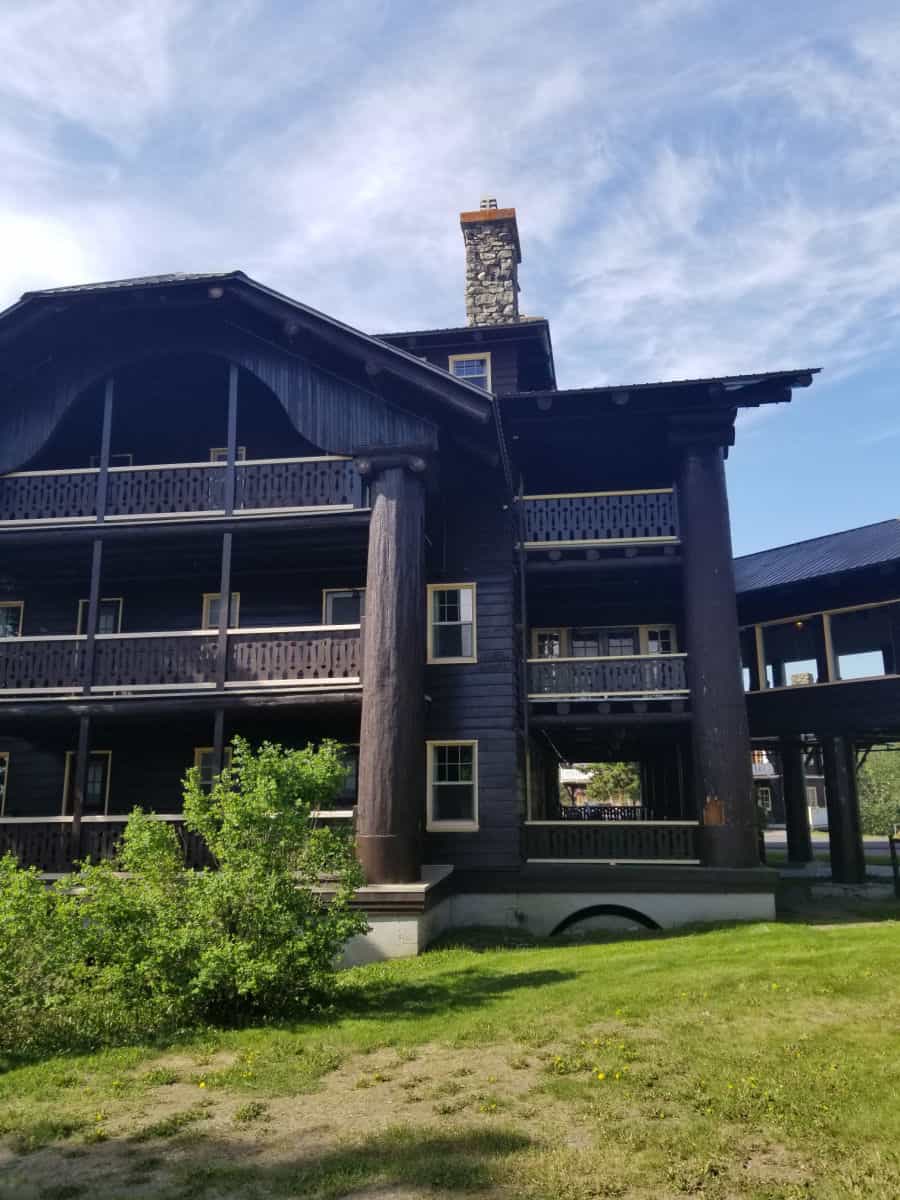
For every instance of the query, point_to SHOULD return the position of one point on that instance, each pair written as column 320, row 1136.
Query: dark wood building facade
column 430, row 552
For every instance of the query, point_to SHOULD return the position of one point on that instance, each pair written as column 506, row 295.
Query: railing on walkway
column 600, row 518
column 301, row 655
column 172, row 490
column 612, row 841
column 631, row 677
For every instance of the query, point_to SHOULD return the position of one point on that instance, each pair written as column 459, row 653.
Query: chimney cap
column 489, row 212
column 488, row 202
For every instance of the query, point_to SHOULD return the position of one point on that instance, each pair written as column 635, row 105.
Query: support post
column 392, row 727
column 93, row 617
column 218, row 741
column 82, row 757
column 723, row 783
column 796, row 813
column 848, row 863
column 224, row 612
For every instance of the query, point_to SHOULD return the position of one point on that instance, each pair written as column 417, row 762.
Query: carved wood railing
column 176, row 489
column 317, row 655
column 47, row 843
column 595, row 678
column 608, row 841
column 45, row 664
column 604, row 812
column 298, row 483
column 312, row 654
column 585, row 518
column 176, row 660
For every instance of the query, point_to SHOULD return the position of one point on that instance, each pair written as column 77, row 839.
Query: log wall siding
column 478, row 700
column 504, row 361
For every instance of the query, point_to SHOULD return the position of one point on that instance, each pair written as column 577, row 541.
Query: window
column 812, row 797
column 451, row 622
column 210, row 616
column 96, row 787
column 220, row 454
column 109, row 618
column 346, row 797
column 474, row 368
column 661, row 641
column 205, row 762
column 4, row 776
column 452, row 786
column 547, row 643
column 622, row 642
column 764, row 798
column 343, row 606
column 11, row 614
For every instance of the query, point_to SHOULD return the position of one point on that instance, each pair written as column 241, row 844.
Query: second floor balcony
column 644, row 517
column 316, row 657
column 171, row 491
column 634, row 677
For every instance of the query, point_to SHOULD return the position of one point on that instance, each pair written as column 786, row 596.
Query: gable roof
column 849, row 550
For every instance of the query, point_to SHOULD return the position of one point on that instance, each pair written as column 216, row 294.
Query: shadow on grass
column 464, row 987
column 463, row 1160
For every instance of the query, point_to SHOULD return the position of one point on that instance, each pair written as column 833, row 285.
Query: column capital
column 371, row 463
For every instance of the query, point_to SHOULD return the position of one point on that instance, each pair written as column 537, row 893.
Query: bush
column 142, row 947
column 879, row 792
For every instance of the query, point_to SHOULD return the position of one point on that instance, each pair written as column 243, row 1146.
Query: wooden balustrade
column 317, row 655
column 48, row 843
column 595, row 678
column 609, row 841
column 596, row 518
column 276, row 485
column 312, row 655
column 41, row 664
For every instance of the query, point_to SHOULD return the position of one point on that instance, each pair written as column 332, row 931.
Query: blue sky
column 703, row 186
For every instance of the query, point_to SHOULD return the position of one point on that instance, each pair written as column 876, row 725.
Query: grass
column 755, row 1061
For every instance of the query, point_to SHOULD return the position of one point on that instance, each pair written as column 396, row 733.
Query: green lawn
column 757, row 1061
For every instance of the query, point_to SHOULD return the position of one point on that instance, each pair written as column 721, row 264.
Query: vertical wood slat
column 574, row 841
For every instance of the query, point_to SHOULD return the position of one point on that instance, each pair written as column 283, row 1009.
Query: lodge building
column 224, row 512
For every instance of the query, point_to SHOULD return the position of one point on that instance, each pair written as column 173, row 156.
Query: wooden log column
column 391, row 795
column 848, row 863
column 722, row 776
column 796, row 813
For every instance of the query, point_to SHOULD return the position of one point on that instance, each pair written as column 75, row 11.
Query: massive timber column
column 848, row 863
column 796, row 813
column 723, row 784
column 392, row 730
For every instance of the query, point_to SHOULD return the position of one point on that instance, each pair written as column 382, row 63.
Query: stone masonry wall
column 492, row 284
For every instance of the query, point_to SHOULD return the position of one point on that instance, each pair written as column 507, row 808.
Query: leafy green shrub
column 879, row 792
column 142, row 947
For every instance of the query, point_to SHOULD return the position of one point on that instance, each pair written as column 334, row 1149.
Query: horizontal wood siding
column 478, row 700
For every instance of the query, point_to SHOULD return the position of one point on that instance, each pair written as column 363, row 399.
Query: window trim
column 69, row 772
column 643, row 631
column 449, row 587
column 483, row 356
column 561, row 632
column 235, row 616
column 4, row 781
column 200, row 750
column 435, row 826
column 20, row 604
column 765, row 805
column 82, row 613
column 329, row 591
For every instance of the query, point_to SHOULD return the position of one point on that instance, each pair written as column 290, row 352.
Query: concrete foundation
column 399, row 934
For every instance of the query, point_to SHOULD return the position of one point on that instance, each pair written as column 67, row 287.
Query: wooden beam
column 231, row 440
column 218, row 740
column 82, row 757
column 224, row 612
column 93, row 616
column 105, row 444
column 848, row 863
column 796, row 813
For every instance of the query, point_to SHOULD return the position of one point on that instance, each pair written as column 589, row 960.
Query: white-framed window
column 95, row 801
column 210, row 615
column 547, row 643
column 661, row 640
column 343, row 606
column 474, row 368
column 205, row 762
column 109, row 618
column 220, row 454
column 451, row 623
column 764, row 798
column 12, row 613
column 452, row 802
column 4, row 779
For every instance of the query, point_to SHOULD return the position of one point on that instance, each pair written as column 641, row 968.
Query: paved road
column 776, row 839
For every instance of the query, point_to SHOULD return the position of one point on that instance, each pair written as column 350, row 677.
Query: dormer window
column 474, row 368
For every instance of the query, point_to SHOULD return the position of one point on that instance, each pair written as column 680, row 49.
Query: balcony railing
column 263, row 487
column 612, row 841
column 288, row 656
column 600, row 518
column 636, row 677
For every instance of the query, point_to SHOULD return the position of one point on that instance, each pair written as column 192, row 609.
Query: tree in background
column 613, row 783
column 879, row 791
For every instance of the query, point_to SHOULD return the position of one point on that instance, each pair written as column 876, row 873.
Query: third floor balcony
column 644, row 517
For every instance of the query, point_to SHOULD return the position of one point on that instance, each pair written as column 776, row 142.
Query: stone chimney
column 492, row 264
